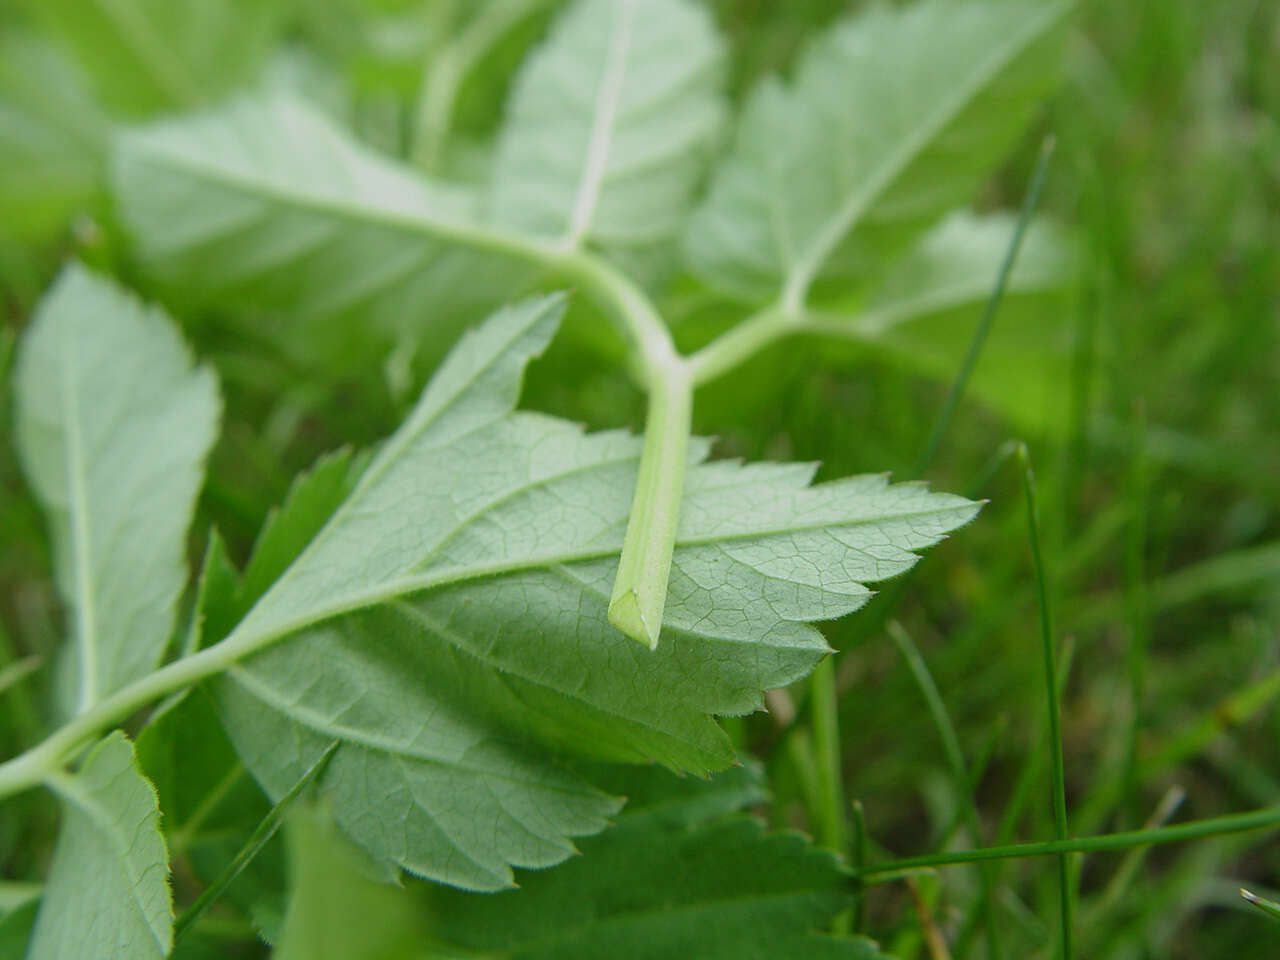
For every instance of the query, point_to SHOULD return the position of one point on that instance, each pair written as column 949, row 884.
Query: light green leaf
column 923, row 313
column 660, row 884
column 113, row 426
column 450, row 640
column 266, row 206
column 891, row 121
column 609, row 125
column 148, row 55
column 955, row 265
column 52, row 137
column 108, row 890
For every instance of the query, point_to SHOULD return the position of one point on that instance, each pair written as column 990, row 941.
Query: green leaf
column 52, row 138
column 450, row 640
column 609, row 125
column 113, row 426
column 923, row 313
column 681, row 801
column 336, row 910
column 955, row 265
column 664, row 882
column 217, row 605
column 310, row 502
column 267, row 207
column 148, row 55
column 108, row 889
column 892, row 119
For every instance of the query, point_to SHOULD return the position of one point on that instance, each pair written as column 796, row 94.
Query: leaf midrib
column 81, row 541
column 403, row 586
column 391, row 455
column 313, row 720
column 420, row 619
column 479, row 237
column 600, row 142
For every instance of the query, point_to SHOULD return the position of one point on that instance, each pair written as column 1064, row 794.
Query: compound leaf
column 108, row 889
column 609, row 125
column 891, row 120
column 458, row 598
column 113, row 426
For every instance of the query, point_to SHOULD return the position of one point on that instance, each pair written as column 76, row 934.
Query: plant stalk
column 640, row 588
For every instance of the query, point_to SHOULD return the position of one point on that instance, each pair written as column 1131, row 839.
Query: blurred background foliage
column 1159, row 469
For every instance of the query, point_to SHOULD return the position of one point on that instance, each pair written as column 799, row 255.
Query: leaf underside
column 267, row 207
column 452, row 641
column 113, row 427
column 108, row 888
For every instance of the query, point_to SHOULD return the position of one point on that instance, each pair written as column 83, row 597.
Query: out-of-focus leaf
column 924, row 312
column 891, row 121
column 52, row 138
column 113, row 426
column 267, row 207
column 144, row 56
column 609, row 125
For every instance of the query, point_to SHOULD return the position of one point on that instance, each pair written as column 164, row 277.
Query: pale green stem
column 640, row 588
column 654, row 350
column 739, row 343
column 832, row 827
column 43, row 761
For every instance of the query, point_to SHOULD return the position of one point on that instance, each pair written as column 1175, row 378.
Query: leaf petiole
column 640, row 588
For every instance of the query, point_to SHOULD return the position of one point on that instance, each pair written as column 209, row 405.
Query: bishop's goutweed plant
column 451, row 645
